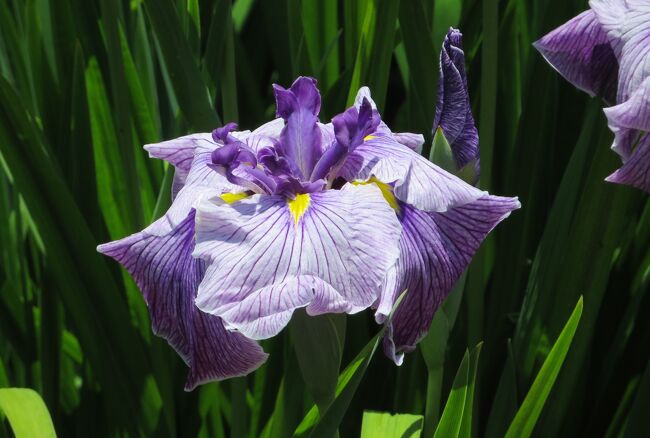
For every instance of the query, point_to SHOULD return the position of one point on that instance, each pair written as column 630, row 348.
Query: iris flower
column 332, row 218
column 605, row 51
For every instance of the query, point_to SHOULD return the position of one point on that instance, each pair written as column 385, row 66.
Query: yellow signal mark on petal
column 231, row 198
column 298, row 206
column 386, row 191
column 369, row 137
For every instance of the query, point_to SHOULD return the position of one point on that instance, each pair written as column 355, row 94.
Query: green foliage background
column 85, row 83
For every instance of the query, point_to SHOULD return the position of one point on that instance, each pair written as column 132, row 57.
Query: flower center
column 298, row 206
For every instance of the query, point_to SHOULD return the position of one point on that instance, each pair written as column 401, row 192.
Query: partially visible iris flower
column 605, row 51
column 332, row 218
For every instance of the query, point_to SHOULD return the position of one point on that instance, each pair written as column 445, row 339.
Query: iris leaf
column 377, row 424
column 456, row 418
column 186, row 79
column 318, row 341
column 348, row 383
column 26, row 413
column 525, row 419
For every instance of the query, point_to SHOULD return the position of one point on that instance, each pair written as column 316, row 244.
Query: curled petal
column 635, row 171
column 221, row 134
column 581, row 52
column 354, row 124
column 350, row 129
column 453, row 110
column 627, row 23
column 628, row 118
column 265, row 254
column 435, row 249
column 160, row 261
column 417, row 181
column 276, row 303
column 410, row 140
column 180, row 151
column 194, row 152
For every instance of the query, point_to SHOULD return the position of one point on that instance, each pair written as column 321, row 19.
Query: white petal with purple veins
column 636, row 170
column 265, row 260
column 628, row 118
column 417, row 181
column 627, row 23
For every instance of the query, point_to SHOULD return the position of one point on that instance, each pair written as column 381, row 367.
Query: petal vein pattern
column 262, row 266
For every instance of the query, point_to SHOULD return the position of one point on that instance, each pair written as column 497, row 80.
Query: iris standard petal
column 453, row 109
column 628, row 118
column 416, row 180
column 160, row 261
column 581, row 52
column 435, row 249
column 265, row 254
column 635, row 171
column 301, row 137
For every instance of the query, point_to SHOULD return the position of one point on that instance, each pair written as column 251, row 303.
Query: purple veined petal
column 364, row 93
column 354, row 124
column 581, row 52
column 179, row 152
column 190, row 156
column 410, row 140
column 628, row 118
column 327, row 134
column 221, row 134
column 160, row 261
column 202, row 175
column 635, row 58
column 315, row 295
column 453, row 109
column 301, row 137
column 435, row 249
column 264, row 253
column 611, row 16
column 351, row 127
column 627, row 23
column 416, row 180
column 635, row 171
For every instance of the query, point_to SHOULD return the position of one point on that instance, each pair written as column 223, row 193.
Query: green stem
column 432, row 408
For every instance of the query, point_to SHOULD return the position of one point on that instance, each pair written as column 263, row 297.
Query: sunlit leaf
column 26, row 413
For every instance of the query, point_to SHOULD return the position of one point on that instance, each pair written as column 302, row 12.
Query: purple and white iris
column 333, row 218
column 605, row 51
